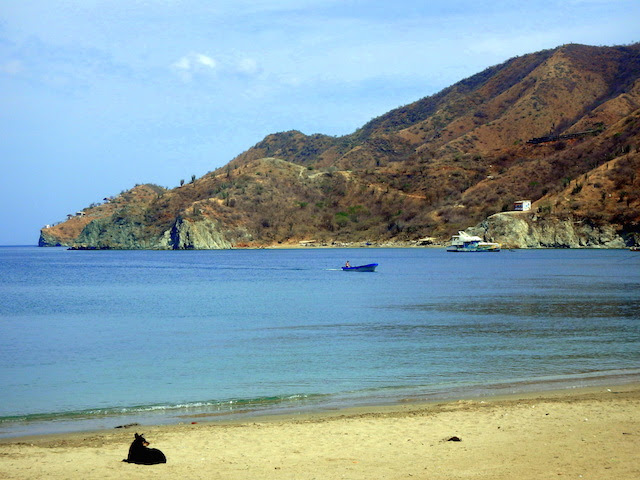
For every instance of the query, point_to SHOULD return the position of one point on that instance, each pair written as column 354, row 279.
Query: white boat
column 471, row 243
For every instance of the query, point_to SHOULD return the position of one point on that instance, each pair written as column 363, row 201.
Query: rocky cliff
column 203, row 234
column 185, row 234
column 531, row 230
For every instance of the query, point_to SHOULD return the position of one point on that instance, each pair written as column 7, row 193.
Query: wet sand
column 589, row 433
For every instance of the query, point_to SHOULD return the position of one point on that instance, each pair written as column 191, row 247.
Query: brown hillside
column 131, row 202
column 430, row 168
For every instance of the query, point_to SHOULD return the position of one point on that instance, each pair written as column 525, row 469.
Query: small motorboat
column 371, row 267
column 471, row 243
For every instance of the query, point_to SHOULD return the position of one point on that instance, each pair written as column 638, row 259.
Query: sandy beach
column 586, row 433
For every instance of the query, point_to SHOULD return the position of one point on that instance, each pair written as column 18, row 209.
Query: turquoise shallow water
column 94, row 339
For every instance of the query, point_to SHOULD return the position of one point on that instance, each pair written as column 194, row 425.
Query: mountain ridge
column 427, row 169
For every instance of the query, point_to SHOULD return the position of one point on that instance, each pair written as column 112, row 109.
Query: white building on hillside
column 522, row 205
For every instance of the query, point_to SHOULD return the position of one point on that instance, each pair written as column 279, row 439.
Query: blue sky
column 98, row 96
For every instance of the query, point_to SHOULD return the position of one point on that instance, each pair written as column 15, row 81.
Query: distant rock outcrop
column 124, row 234
column 203, row 234
column 50, row 239
column 530, row 230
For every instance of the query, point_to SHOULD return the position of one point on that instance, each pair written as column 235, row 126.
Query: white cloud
column 204, row 60
column 195, row 61
column 194, row 64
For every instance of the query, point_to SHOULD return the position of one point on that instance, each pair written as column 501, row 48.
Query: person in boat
column 348, row 265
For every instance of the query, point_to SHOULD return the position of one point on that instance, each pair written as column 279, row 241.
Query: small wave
column 229, row 406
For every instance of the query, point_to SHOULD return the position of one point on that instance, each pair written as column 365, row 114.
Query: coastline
column 247, row 410
column 590, row 432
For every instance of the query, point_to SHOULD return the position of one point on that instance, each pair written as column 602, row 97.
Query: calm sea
column 96, row 339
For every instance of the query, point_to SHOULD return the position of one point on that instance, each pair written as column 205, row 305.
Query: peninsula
column 559, row 128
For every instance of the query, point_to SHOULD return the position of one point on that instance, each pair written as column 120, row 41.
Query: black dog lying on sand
column 141, row 454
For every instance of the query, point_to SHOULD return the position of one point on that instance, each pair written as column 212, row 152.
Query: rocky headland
column 530, row 230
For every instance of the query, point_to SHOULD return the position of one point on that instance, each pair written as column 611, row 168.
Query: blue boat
column 371, row 267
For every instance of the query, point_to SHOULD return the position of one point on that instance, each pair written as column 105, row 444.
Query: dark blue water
column 99, row 338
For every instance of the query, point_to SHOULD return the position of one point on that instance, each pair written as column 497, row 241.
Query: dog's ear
column 137, row 436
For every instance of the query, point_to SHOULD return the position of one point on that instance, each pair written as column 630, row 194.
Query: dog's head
column 139, row 439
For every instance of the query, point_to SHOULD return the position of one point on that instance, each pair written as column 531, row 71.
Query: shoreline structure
column 587, row 432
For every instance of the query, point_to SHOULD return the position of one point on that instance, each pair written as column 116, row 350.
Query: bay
column 91, row 339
